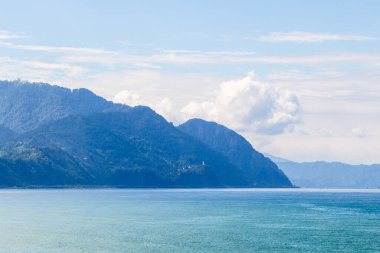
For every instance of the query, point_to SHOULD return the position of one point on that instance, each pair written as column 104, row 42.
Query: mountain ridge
column 24, row 106
column 99, row 149
column 321, row 174
column 259, row 169
column 55, row 136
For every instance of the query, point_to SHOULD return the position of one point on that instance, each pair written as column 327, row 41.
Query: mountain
column 25, row 106
column 330, row 174
column 56, row 137
column 137, row 148
column 259, row 170
column 5, row 133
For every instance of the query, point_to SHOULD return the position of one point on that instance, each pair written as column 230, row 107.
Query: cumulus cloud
column 162, row 106
column 246, row 105
column 356, row 132
column 128, row 98
column 249, row 105
column 165, row 107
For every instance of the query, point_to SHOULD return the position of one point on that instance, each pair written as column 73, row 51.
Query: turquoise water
column 189, row 221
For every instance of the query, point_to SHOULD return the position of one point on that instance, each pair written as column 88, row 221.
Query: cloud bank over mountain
column 249, row 105
column 245, row 104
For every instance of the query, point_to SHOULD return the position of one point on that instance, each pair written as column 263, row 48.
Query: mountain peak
column 57, row 136
column 24, row 106
column 261, row 171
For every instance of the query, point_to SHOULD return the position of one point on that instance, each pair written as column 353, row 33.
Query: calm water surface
column 114, row 221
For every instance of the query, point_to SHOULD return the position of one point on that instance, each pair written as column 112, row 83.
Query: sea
column 189, row 220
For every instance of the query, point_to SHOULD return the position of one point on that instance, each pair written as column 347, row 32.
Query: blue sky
column 193, row 25
column 299, row 79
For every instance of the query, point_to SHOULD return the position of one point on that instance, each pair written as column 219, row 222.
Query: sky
column 299, row 79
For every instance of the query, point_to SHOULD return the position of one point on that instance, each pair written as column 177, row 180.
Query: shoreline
column 289, row 190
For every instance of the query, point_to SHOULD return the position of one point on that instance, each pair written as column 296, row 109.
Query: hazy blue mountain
column 330, row 174
column 25, row 106
column 29, row 166
column 137, row 148
column 5, row 134
column 259, row 170
column 53, row 136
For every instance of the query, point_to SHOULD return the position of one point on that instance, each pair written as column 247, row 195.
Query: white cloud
column 311, row 37
column 128, row 98
column 249, row 105
column 184, row 51
column 357, row 132
column 5, row 35
column 244, row 105
column 358, row 58
column 326, row 92
column 103, row 57
column 37, row 70
column 163, row 107
column 205, row 58
column 57, row 49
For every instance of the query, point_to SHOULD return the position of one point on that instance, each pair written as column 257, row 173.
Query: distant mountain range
column 329, row 174
column 56, row 137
